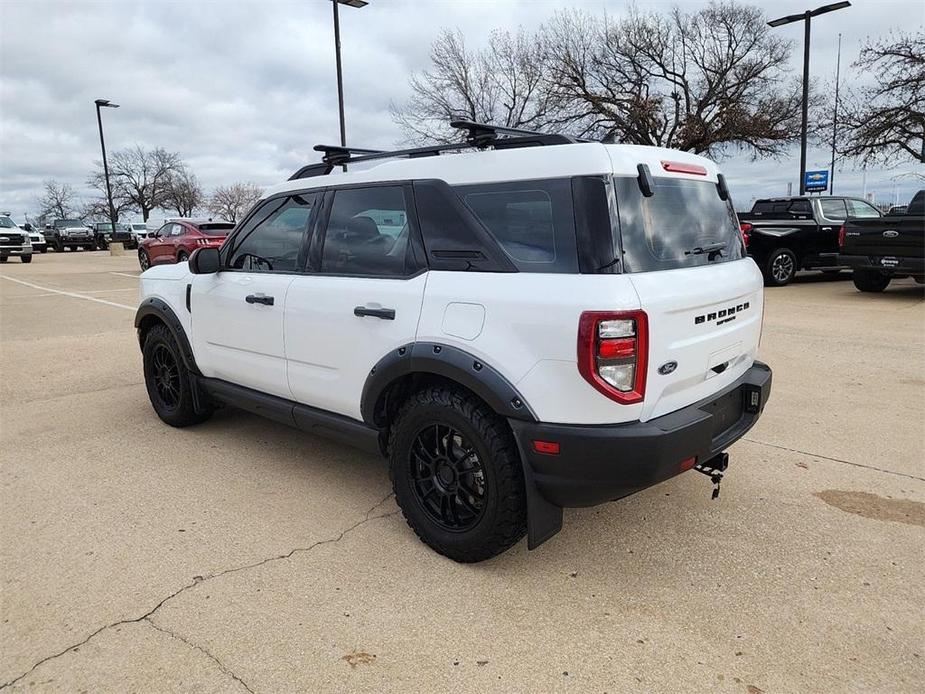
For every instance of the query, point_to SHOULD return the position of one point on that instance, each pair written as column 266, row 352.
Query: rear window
column 215, row 228
column 683, row 224
column 533, row 221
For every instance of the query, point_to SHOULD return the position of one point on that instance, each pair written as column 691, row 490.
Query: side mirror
column 205, row 261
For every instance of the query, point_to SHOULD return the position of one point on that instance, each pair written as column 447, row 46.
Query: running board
column 309, row 419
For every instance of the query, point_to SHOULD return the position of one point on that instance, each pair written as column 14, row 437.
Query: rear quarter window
column 532, row 221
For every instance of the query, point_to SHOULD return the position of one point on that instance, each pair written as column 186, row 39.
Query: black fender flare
column 161, row 310
column 450, row 362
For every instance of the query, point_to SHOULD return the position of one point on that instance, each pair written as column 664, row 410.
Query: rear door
column 237, row 313
column 361, row 300
column 703, row 306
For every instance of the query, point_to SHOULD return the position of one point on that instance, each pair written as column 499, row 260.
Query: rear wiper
column 711, row 248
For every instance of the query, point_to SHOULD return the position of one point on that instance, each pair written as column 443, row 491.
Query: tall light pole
column 806, row 17
column 105, row 103
column 340, row 78
column 835, row 120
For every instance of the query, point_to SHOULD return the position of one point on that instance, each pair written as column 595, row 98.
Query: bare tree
column 232, row 202
column 886, row 121
column 98, row 206
column 184, row 194
column 140, row 177
column 700, row 81
column 58, row 200
column 502, row 84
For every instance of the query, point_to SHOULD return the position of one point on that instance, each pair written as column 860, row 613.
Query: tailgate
column 706, row 320
column 900, row 236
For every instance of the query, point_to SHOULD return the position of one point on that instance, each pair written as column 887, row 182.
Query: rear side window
column 801, row 207
column 532, row 221
column 833, row 208
column 683, row 224
column 367, row 233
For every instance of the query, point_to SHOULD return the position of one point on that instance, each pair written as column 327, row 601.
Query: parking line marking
column 71, row 294
column 125, row 274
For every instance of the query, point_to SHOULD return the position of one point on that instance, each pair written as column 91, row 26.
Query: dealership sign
column 816, row 181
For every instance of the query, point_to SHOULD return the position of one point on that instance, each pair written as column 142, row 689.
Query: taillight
column 746, row 229
column 204, row 242
column 841, row 236
column 612, row 353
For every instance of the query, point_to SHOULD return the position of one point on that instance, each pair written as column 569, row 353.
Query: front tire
column 168, row 380
column 26, row 258
column 780, row 267
column 870, row 280
column 457, row 474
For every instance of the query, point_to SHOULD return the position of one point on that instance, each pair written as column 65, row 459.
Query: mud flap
column 544, row 519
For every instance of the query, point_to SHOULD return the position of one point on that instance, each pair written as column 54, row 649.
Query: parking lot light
column 806, row 17
column 106, row 103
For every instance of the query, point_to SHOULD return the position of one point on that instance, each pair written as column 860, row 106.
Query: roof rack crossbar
column 479, row 136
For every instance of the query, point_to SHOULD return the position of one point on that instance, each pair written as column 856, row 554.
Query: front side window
column 857, row 208
column 271, row 241
column 367, row 232
column 833, row 208
column 684, row 223
column 532, row 221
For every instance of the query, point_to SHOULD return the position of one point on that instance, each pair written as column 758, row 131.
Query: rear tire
column 182, row 257
column 143, row 260
column 168, row 380
column 870, row 280
column 780, row 267
column 457, row 474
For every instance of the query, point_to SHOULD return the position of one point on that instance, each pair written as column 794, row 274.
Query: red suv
column 177, row 239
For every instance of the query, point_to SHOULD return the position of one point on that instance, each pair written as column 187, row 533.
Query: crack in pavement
column 221, row 666
column 835, row 460
column 368, row 517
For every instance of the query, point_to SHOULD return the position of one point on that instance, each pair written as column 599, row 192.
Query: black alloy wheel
column 447, row 477
column 166, row 374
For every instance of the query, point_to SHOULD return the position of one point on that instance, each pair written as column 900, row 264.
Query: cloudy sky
column 244, row 89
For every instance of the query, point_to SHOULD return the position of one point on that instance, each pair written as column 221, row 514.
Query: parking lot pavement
column 240, row 555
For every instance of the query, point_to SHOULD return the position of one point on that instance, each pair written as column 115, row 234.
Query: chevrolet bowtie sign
column 816, row 181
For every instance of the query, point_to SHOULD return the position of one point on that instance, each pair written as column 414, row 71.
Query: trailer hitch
column 714, row 469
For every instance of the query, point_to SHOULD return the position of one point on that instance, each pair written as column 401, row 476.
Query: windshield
column 64, row 223
column 684, row 223
column 139, row 227
column 6, row 223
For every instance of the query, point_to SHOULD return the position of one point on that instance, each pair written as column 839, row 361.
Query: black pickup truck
column 785, row 235
column 881, row 250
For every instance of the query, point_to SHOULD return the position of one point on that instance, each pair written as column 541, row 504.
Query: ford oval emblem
column 891, row 233
column 667, row 367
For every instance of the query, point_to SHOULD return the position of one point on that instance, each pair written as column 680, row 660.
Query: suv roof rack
column 478, row 136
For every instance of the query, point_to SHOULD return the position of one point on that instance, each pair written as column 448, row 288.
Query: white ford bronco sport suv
column 520, row 322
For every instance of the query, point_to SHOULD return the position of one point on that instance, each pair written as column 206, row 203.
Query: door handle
column 383, row 313
column 259, row 299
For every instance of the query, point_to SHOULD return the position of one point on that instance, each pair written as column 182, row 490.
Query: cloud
column 243, row 90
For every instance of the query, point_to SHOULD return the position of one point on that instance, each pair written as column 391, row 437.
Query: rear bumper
column 893, row 265
column 601, row 463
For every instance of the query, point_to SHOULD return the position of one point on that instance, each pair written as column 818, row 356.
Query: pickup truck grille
column 11, row 239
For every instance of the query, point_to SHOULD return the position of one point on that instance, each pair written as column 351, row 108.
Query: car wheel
column 26, row 258
column 4, row 258
column 870, row 280
column 780, row 268
column 182, row 257
column 457, row 474
column 168, row 380
column 143, row 260
column 59, row 247
column 44, row 249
